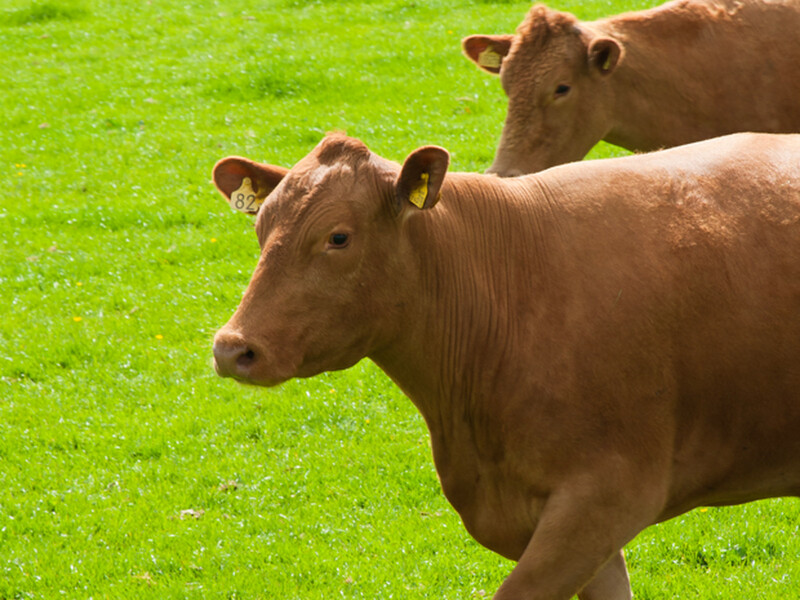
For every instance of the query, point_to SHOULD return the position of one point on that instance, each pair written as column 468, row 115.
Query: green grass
column 127, row 468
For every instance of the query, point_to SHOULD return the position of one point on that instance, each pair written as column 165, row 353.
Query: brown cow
column 595, row 348
column 685, row 71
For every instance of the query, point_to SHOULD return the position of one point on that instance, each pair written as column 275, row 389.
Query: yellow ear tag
column 489, row 58
column 245, row 199
column 418, row 195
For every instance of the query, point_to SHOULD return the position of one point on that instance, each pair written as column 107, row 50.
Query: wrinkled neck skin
column 457, row 329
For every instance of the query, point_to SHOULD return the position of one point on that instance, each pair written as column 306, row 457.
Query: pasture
column 128, row 469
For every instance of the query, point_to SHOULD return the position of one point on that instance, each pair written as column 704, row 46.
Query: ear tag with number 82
column 245, row 199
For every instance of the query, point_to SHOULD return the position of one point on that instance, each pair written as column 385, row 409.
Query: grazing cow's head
column 331, row 283
column 555, row 73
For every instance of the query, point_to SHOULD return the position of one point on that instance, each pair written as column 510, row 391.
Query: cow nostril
column 246, row 359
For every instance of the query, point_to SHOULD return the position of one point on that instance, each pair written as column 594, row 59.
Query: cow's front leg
column 576, row 548
column 610, row 583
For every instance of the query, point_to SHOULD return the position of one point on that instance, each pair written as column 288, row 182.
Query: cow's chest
column 496, row 505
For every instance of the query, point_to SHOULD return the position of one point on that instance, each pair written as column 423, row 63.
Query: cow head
column 335, row 271
column 556, row 74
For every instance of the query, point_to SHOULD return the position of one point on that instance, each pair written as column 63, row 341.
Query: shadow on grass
column 42, row 12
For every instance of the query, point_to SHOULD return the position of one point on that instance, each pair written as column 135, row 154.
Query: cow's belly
column 719, row 471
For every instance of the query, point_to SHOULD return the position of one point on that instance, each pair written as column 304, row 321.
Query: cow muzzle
column 233, row 356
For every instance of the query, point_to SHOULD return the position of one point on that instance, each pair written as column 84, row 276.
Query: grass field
column 127, row 468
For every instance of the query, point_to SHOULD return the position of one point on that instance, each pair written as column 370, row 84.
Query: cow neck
column 476, row 255
column 663, row 78
column 632, row 112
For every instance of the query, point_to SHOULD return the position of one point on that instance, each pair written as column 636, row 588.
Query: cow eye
column 561, row 90
column 338, row 240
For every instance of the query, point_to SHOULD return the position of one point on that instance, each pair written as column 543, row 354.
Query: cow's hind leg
column 610, row 583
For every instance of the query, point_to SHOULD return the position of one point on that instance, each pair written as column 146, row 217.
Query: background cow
column 686, row 71
column 594, row 348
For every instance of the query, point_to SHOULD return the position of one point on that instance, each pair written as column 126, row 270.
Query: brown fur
column 594, row 348
column 541, row 24
column 688, row 70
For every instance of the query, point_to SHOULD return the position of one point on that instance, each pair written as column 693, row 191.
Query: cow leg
column 576, row 547
column 610, row 583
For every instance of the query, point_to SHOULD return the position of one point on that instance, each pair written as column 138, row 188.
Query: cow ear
column 421, row 177
column 487, row 51
column 604, row 54
column 246, row 183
